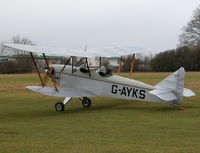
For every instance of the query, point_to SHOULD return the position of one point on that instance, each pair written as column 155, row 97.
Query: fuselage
column 110, row 86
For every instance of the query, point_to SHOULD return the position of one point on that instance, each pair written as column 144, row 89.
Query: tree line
column 171, row 60
column 187, row 54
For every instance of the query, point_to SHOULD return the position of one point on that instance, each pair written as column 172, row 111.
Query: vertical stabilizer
column 175, row 84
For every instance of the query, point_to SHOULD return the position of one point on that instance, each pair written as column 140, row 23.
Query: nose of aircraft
column 48, row 74
column 51, row 70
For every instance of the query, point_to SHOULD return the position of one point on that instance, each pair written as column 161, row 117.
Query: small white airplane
column 82, row 82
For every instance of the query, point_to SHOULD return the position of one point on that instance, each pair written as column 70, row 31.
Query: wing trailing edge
column 62, row 92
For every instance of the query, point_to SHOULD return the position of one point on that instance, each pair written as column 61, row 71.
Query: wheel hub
column 58, row 107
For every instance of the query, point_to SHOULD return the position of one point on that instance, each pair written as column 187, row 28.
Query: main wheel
column 59, row 106
column 86, row 102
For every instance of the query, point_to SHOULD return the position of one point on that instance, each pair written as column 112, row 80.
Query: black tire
column 60, row 107
column 86, row 102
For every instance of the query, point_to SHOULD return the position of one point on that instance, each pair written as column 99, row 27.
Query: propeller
column 49, row 73
column 47, row 76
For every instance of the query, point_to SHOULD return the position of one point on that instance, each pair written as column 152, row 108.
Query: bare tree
column 22, row 62
column 2, row 49
column 16, row 40
column 191, row 32
column 21, row 40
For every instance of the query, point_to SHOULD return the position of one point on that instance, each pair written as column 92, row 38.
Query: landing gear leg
column 86, row 102
column 60, row 106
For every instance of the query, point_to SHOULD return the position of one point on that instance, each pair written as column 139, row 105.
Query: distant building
column 114, row 61
column 3, row 59
column 39, row 59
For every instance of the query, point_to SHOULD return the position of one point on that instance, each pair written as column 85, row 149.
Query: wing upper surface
column 98, row 52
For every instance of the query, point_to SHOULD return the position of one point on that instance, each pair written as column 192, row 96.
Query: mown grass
column 29, row 123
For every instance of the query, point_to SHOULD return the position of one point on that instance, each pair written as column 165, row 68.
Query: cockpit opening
column 83, row 68
column 105, row 71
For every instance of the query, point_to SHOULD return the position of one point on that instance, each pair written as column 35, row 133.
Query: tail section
column 171, row 89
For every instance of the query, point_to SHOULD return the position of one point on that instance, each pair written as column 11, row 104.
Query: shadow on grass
column 115, row 106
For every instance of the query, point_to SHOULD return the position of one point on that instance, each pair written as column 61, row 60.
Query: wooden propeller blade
column 46, row 78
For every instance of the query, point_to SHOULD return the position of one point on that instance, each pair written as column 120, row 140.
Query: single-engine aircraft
column 82, row 81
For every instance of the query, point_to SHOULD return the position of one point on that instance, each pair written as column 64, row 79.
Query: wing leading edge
column 98, row 52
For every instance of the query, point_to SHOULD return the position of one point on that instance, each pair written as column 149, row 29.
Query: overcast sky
column 152, row 24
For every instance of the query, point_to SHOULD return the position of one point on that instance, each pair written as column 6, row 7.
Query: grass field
column 30, row 124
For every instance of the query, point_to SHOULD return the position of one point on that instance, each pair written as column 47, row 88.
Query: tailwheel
column 60, row 107
column 180, row 108
column 86, row 102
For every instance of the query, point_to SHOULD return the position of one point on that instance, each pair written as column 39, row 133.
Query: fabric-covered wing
column 62, row 92
column 98, row 52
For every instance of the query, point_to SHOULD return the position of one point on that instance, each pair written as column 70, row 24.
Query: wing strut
column 86, row 60
column 72, row 64
column 65, row 64
column 132, row 65
column 79, row 61
column 52, row 78
column 35, row 64
column 99, row 61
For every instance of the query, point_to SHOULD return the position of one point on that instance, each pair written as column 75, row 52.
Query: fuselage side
column 111, row 86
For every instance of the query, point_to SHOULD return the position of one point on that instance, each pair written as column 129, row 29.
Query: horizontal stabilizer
column 62, row 92
column 165, row 95
column 188, row 92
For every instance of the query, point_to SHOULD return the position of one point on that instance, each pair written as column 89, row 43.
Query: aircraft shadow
column 119, row 106
column 123, row 106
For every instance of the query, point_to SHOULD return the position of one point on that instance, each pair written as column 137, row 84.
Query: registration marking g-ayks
column 128, row 91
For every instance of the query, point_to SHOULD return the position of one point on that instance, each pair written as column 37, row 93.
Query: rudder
column 175, row 84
